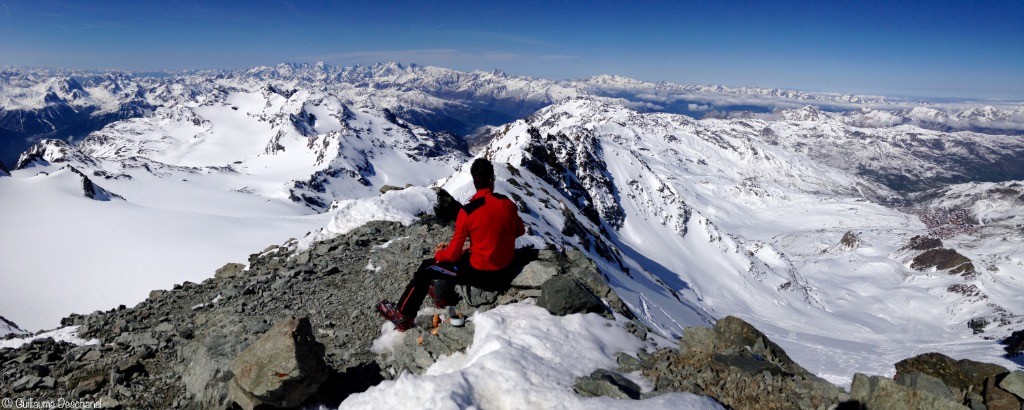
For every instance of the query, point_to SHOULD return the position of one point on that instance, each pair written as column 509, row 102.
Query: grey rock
column 974, row 401
column 608, row 384
column 562, row 295
column 534, row 274
column 107, row 402
column 302, row 258
column 92, row 355
column 924, row 382
column 884, row 393
column 137, row 339
column 627, row 363
column 164, row 328
column 282, row 368
column 229, row 270
column 386, row 188
column 48, row 383
column 26, row 383
column 1014, row 383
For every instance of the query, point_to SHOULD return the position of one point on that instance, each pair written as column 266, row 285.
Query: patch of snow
column 67, row 334
column 522, row 357
column 405, row 206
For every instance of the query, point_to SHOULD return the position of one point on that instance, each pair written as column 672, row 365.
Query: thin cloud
column 502, row 37
column 439, row 56
column 7, row 11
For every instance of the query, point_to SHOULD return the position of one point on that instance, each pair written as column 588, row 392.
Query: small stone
column 26, row 383
column 48, row 383
column 90, row 385
column 229, row 270
column 107, row 402
column 92, row 355
column 608, row 384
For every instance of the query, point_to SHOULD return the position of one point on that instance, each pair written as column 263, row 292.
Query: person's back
column 491, row 222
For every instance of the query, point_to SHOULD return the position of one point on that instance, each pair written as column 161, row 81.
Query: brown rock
column 281, row 369
column 997, row 398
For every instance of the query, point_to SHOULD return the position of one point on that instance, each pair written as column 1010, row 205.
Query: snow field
column 521, row 357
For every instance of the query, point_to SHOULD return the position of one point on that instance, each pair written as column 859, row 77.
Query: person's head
column 483, row 173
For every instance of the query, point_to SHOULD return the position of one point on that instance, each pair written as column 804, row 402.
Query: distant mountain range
column 46, row 103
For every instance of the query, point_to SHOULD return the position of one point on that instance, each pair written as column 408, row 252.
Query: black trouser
column 444, row 277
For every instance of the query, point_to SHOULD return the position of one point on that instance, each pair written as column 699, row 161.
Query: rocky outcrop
column 877, row 392
column 943, row 259
column 281, row 369
column 740, row 367
column 91, row 190
column 958, row 374
column 923, row 243
column 1014, row 344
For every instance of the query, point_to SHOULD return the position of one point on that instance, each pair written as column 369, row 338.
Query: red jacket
column 492, row 224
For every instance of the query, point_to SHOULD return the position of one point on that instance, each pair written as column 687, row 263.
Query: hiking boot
column 389, row 312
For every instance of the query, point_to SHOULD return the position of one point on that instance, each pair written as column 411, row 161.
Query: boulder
column 1014, row 383
column 282, row 368
column 877, row 392
column 534, row 274
column 562, row 295
column 608, row 384
column 926, row 383
column 958, row 374
column 229, row 270
column 385, row 188
column 997, row 398
column 733, row 333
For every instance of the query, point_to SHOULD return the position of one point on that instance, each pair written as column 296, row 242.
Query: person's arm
column 452, row 252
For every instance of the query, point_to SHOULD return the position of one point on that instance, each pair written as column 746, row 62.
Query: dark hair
column 483, row 173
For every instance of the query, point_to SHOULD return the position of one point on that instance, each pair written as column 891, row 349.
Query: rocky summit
column 298, row 328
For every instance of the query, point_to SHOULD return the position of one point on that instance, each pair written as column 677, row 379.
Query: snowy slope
column 7, row 327
column 190, row 188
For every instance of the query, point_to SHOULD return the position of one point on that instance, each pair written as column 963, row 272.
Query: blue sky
column 933, row 48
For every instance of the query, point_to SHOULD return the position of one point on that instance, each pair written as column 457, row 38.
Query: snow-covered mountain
column 37, row 104
column 209, row 180
column 731, row 221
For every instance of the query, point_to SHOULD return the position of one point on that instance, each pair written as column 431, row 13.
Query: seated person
column 491, row 222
